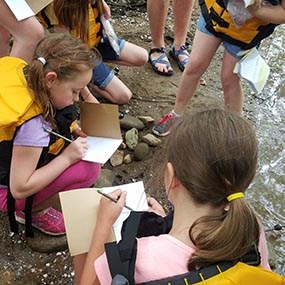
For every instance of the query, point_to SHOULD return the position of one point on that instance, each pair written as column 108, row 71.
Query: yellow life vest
column 220, row 23
column 48, row 19
column 17, row 104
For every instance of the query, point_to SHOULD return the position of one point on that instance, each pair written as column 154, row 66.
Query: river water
column 267, row 192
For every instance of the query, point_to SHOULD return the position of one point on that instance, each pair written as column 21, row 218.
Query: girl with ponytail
column 211, row 159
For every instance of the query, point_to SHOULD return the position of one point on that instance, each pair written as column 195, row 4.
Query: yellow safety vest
column 220, row 23
column 48, row 19
column 17, row 104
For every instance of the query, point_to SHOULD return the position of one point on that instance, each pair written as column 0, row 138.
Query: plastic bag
column 238, row 12
column 110, row 33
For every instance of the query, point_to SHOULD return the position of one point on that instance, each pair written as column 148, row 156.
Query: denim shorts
column 233, row 50
column 102, row 74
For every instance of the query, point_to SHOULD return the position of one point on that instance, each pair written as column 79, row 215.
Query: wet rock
column 132, row 138
column 47, row 244
column 129, row 122
column 106, row 179
column 147, row 120
column 141, row 151
column 127, row 159
column 117, row 158
column 151, row 140
column 122, row 146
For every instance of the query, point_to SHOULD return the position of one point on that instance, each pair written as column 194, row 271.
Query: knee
column 91, row 171
column 142, row 58
column 122, row 97
column 31, row 37
column 37, row 34
column 229, row 80
column 194, row 68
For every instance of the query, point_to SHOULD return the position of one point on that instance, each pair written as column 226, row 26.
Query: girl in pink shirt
column 211, row 159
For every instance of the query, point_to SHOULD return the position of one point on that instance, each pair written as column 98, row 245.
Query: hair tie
column 235, row 196
column 42, row 60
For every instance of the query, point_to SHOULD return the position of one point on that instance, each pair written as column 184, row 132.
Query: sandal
column 162, row 59
column 176, row 53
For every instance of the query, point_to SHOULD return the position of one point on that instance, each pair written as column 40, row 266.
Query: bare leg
column 26, row 33
column 233, row 95
column 182, row 11
column 116, row 92
column 203, row 50
column 79, row 262
column 157, row 14
column 132, row 55
column 4, row 42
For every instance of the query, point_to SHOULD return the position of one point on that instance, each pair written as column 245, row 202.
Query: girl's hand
column 154, row 206
column 109, row 211
column 87, row 95
column 255, row 5
column 76, row 150
column 77, row 132
column 107, row 10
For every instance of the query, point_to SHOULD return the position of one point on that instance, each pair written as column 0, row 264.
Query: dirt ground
column 153, row 95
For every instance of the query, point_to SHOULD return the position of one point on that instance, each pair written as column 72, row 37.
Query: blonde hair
column 214, row 154
column 65, row 56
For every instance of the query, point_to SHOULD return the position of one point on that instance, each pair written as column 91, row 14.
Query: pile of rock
column 136, row 140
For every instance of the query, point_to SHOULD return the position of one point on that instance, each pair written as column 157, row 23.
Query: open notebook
column 253, row 68
column 23, row 9
column 101, row 124
column 79, row 209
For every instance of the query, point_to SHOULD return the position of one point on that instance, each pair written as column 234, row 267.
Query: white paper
column 253, row 68
column 80, row 207
column 101, row 149
column 136, row 199
column 20, row 9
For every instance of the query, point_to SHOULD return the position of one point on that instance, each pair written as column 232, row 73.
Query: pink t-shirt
column 165, row 251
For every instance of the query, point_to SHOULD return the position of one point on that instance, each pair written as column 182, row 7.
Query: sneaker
column 48, row 221
column 163, row 126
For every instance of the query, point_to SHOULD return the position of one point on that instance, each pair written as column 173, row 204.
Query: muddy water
column 267, row 112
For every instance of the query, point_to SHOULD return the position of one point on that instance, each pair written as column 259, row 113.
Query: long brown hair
column 74, row 14
column 64, row 55
column 214, row 154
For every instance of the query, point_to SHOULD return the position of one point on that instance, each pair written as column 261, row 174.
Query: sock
column 175, row 114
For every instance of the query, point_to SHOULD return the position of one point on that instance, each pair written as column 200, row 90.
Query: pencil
column 56, row 134
column 111, row 198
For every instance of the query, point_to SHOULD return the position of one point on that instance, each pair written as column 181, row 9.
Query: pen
column 112, row 199
column 56, row 134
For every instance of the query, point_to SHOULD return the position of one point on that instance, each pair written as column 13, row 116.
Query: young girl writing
column 82, row 18
column 217, row 26
column 33, row 161
column 211, row 159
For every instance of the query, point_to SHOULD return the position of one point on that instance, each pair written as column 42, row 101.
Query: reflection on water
column 267, row 111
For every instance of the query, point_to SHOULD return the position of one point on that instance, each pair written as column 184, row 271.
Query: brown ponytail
column 214, row 154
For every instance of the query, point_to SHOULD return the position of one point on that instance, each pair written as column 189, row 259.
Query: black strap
column 28, row 216
column 11, row 212
column 122, row 256
column 158, row 50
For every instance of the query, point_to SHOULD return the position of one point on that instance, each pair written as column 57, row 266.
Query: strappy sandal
column 176, row 53
column 162, row 59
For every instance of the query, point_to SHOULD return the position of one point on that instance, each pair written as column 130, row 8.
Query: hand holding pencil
column 76, row 150
column 109, row 210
